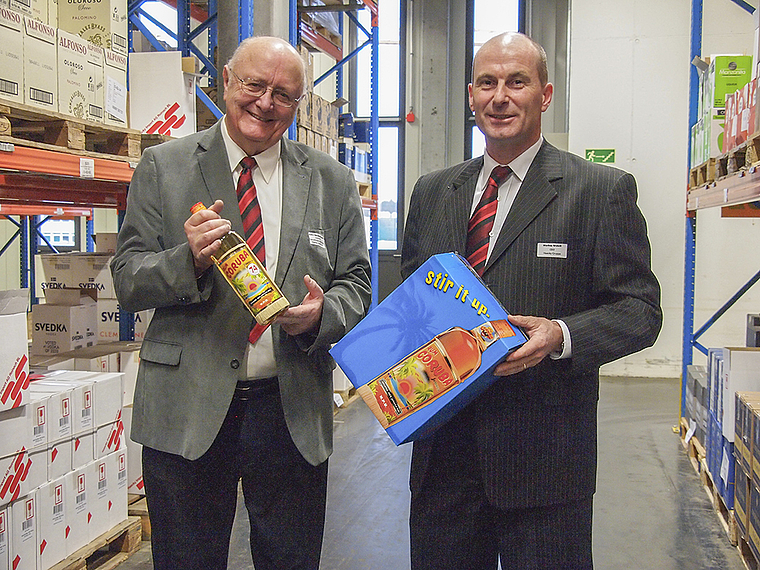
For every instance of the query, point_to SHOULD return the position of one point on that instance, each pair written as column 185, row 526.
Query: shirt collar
column 266, row 160
column 519, row 165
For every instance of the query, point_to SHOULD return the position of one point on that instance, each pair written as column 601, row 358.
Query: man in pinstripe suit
column 511, row 478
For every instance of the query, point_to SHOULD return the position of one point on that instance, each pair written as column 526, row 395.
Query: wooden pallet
column 748, row 557
column 28, row 126
column 702, row 174
column 108, row 550
column 698, row 458
column 138, row 507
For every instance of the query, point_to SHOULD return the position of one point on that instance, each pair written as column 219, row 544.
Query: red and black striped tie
column 252, row 224
column 250, row 210
column 481, row 222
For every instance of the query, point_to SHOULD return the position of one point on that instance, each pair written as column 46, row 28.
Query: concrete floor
column 650, row 511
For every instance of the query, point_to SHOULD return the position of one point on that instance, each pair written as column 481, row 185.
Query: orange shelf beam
column 39, row 210
column 41, row 161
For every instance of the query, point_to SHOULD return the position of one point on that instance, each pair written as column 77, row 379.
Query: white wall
column 629, row 73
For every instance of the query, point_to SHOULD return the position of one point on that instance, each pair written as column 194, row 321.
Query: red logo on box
column 16, row 382
column 166, row 120
column 16, row 473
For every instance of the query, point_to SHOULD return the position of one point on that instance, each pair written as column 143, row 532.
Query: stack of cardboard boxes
column 63, row 459
column 68, row 57
column 747, row 454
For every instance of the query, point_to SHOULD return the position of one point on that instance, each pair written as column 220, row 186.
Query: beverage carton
column 434, row 342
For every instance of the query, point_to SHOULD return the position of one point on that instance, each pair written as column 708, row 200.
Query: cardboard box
column 110, row 438
column 82, row 450
column 81, row 403
column 12, row 55
column 106, row 394
column 109, row 319
column 78, row 496
column 14, row 357
column 51, row 524
column 105, row 242
column 40, row 65
column 118, row 509
column 15, row 434
column 59, row 409
column 101, row 23
column 52, row 271
column 60, row 328
column 165, row 106
column 23, row 552
column 4, row 539
column 14, row 472
column 726, row 74
column 135, row 484
column 115, row 95
column 101, row 475
column 73, row 75
column 92, row 271
column 38, row 418
column 22, row 6
column 741, row 374
column 441, row 314
column 59, row 458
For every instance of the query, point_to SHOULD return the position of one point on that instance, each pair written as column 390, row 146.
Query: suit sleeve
column 625, row 296
column 153, row 264
column 410, row 246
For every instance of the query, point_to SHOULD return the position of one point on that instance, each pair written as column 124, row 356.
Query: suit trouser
column 454, row 526
column 192, row 503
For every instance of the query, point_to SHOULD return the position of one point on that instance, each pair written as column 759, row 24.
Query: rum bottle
column 430, row 371
column 248, row 277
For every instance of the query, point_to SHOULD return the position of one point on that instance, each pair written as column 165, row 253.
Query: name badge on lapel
column 558, row 250
column 317, row 240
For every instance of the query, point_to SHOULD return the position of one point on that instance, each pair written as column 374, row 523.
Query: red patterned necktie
column 250, row 211
column 481, row 222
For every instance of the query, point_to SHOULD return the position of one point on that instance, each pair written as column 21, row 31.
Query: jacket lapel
column 296, row 182
column 459, row 203
column 535, row 193
column 215, row 170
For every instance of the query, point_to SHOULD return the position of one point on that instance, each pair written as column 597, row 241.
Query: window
column 491, row 17
column 63, row 235
column 389, row 154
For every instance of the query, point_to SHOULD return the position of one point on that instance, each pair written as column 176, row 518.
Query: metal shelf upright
column 373, row 42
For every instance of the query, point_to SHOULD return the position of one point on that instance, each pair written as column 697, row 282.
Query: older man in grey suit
column 561, row 242
column 214, row 404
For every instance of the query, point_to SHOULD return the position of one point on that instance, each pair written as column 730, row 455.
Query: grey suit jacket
column 536, row 431
column 193, row 352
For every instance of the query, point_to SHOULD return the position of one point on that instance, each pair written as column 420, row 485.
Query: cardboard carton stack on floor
column 62, row 452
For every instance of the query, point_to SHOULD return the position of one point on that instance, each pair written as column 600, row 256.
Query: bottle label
column 413, row 382
column 246, row 274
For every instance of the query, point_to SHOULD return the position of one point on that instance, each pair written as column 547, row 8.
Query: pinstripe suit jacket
column 535, row 437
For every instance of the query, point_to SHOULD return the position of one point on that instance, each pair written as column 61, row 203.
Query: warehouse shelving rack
column 738, row 188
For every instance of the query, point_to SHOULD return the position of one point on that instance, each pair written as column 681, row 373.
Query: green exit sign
column 600, row 154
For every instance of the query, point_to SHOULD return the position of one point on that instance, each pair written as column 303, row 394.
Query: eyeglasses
column 258, row 88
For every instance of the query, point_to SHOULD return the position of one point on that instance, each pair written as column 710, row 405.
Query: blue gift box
column 412, row 385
